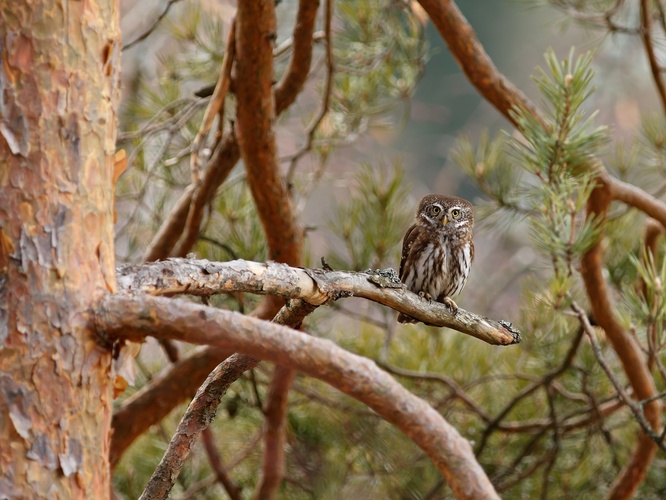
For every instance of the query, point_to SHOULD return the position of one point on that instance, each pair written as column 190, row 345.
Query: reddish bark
column 627, row 349
column 474, row 61
column 296, row 75
column 504, row 96
column 256, row 113
column 59, row 87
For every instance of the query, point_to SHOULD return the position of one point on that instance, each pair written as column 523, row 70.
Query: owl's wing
column 410, row 237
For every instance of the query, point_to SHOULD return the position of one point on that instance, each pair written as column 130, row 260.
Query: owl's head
column 447, row 213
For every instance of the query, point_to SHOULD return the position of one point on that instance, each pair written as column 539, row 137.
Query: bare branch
column 152, row 27
column 224, row 159
column 628, row 351
column 200, row 413
column 202, row 277
column 328, row 85
column 544, row 381
column 215, row 104
column 134, row 317
column 273, row 468
column 208, row 440
column 255, row 36
column 646, row 28
column 636, row 408
column 203, row 192
column 162, row 394
column 474, row 61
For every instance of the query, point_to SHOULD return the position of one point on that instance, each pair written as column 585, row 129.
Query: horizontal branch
column 135, row 317
column 315, row 286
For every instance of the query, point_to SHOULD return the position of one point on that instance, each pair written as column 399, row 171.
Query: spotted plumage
column 437, row 251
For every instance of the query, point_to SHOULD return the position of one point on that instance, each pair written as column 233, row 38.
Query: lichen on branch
column 315, row 286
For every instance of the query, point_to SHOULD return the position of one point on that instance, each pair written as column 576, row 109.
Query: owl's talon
column 448, row 301
column 426, row 296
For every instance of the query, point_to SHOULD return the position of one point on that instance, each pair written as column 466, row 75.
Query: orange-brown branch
column 628, row 351
column 134, row 317
column 503, row 95
column 459, row 36
column 256, row 114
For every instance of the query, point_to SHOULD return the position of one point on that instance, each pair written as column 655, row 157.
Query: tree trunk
column 59, row 72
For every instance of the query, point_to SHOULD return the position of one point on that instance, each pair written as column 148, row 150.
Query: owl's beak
column 445, row 219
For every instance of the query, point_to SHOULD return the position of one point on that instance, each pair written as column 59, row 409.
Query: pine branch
column 133, row 318
column 315, row 286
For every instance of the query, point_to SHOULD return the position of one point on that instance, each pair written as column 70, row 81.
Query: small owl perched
column 437, row 251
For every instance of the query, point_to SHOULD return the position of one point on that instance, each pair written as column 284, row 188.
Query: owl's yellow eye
column 436, row 210
column 455, row 213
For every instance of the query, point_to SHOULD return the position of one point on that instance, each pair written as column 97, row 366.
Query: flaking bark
column 59, row 87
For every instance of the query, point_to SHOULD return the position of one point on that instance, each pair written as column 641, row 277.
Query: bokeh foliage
column 548, row 440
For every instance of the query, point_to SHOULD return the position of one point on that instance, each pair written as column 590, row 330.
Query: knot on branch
column 325, row 287
column 512, row 329
column 384, row 278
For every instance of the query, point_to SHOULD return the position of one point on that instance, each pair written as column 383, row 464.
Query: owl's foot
column 426, row 296
column 448, row 302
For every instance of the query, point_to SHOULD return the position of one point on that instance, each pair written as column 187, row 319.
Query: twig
column 328, row 86
column 186, row 106
column 556, row 443
column 210, row 183
column 453, row 386
column 493, row 425
column 224, row 159
column 287, row 44
column 152, row 27
column 232, row 489
column 216, row 104
column 636, row 408
column 649, row 50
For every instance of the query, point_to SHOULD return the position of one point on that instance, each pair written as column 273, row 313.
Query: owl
column 437, row 251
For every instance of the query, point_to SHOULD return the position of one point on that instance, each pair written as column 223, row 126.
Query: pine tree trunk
column 59, row 68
